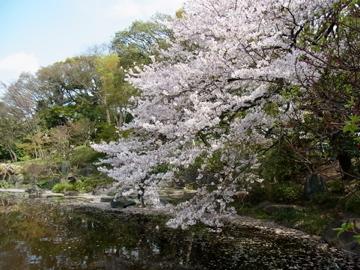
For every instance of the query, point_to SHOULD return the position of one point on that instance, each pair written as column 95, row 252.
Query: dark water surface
column 40, row 236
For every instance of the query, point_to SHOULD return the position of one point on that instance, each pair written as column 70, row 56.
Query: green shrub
column 106, row 132
column 352, row 204
column 90, row 183
column 286, row 193
column 62, row 187
column 326, row 199
column 309, row 220
column 4, row 184
column 37, row 169
column 257, row 194
column 336, row 186
column 84, row 155
column 279, row 164
column 47, row 183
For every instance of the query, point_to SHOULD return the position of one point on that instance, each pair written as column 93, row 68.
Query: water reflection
column 48, row 237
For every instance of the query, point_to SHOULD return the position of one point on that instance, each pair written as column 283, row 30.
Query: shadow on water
column 41, row 236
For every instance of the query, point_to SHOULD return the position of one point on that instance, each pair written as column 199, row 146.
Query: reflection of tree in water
column 46, row 237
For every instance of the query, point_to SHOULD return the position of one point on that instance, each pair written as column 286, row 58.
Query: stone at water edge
column 122, row 203
column 106, row 199
column 71, row 193
column 271, row 208
column 34, row 192
column 71, row 179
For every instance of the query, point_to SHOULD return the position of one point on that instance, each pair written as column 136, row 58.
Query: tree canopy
column 235, row 79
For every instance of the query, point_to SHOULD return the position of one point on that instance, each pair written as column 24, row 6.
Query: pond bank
column 244, row 243
column 46, row 235
column 89, row 202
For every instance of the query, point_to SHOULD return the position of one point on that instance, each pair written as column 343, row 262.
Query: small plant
column 349, row 227
column 63, row 187
column 4, row 184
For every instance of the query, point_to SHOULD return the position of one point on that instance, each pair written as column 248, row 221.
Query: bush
column 309, row 220
column 352, row 204
column 63, row 187
column 257, row 194
column 35, row 170
column 88, row 184
column 286, row 193
column 279, row 165
column 48, row 183
column 326, row 200
column 84, row 155
column 4, row 184
column 84, row 184
column 336, row 186
column 106, row 132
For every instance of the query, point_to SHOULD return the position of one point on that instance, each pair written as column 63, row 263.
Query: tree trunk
column 141, row 195
column 108, row 116
column 13, row 155
column 345, row 165
column 339, row 143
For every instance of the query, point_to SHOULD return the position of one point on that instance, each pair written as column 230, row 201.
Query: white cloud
column 19, row 62
column 12, row 65
column 142, row 9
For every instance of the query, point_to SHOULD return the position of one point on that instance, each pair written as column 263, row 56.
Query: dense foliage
column 239, row 78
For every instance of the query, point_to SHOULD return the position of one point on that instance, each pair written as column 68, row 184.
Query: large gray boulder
column 122, row 202
column 34, row 192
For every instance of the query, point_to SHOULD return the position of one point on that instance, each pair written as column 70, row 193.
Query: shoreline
column 263, row 226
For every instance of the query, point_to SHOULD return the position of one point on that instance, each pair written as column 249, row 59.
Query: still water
column 42, row 236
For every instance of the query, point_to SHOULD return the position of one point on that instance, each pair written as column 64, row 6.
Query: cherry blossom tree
column 210, row 92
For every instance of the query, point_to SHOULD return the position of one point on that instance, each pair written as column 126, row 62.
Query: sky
column 35, row 33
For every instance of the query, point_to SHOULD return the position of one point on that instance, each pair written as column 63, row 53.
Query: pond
column 45, row 236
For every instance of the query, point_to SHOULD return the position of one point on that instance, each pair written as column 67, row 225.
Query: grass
column 83, row 184
column 309, row 219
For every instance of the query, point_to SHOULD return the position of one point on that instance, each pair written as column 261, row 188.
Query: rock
column 273, row 208
column 54, row 195
column 164, row 201
column 314, row 184
column 10, row 172
column 87, row 170
column 121, row 203
column 71, row 193
column 345, row 240
column 65, row 167
column 34, row 192
column 106, row 199
column 241, row 195
column 71, row 179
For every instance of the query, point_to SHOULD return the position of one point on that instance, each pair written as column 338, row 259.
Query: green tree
column 115, row 91
column 135, row 44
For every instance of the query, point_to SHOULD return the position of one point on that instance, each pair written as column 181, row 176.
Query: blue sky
column 36, row 33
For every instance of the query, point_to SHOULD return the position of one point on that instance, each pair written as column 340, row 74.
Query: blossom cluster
column 208, row 92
